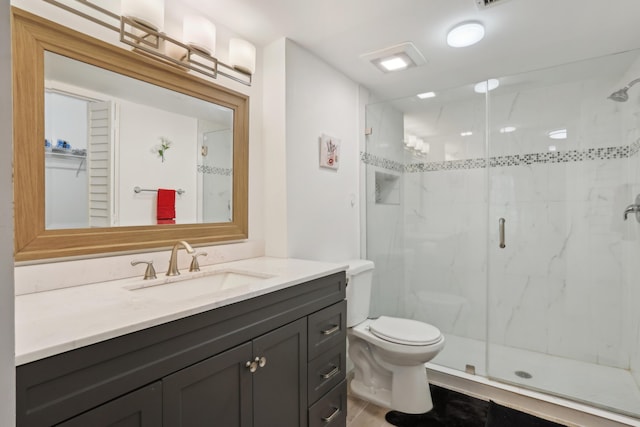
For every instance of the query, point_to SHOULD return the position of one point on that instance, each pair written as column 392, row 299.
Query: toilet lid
column 404, row 331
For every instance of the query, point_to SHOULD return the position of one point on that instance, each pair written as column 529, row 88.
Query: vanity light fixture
column 426, row 95
column 199, row 33
column 149, row 13
column 140, row 26
column 425, row 148
column 242, row 55
column 486, row 86
column 416, row 145
column 558, row 134
column 411, row 141
column 465, row 34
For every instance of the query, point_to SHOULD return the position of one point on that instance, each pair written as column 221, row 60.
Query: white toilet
column 388, row 353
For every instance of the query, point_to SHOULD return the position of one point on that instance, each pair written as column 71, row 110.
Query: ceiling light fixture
column 392, row 58
column 465, row 34
column 486, row 86
column 507, row 129
column 467, row 133
column 558, row 134
column 426, row 95
column 394, row 63
column 140, row 26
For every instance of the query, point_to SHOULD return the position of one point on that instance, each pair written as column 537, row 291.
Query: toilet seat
column 405, row 331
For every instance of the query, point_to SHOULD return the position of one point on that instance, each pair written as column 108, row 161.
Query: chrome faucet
column 173, row 261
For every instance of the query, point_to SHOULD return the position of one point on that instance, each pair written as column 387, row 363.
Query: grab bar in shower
column 501, row 222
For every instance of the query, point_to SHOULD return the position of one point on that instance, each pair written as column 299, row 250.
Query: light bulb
column 242, row 55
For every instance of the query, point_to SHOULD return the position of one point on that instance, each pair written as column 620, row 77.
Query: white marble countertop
column 52, row 322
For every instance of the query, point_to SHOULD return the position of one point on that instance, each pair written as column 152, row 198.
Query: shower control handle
column 501, row 222
column 635, row 208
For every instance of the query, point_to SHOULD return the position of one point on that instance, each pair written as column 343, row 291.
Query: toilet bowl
column 388, row 353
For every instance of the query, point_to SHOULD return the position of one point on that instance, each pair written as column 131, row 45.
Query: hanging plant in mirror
column 161, row 149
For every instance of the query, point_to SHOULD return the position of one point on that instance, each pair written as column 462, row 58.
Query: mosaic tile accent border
column 215, row 171
column 607, row 153
column 373, row 160
column 634, row 148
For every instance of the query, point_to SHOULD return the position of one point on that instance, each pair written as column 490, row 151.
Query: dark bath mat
column 450, row 409
column 501, row 416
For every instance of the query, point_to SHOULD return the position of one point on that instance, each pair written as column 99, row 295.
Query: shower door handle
column 501, row 222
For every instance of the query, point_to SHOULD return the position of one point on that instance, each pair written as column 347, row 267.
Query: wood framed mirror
column 35, row 38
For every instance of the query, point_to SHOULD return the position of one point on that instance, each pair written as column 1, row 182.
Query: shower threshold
column 587, row 387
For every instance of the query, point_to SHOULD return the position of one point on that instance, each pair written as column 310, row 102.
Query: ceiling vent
column 483, row 4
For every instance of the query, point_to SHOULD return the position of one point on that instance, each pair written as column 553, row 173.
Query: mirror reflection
column 122, row 152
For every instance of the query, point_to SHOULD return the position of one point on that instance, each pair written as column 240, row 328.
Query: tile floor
column 365, row 414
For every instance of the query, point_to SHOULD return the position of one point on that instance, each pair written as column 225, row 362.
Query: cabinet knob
column 262, row 362
column 253, row 366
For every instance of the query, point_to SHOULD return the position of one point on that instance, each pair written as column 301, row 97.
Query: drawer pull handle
column 331, row 417
column 332, row 330
column 331, row 373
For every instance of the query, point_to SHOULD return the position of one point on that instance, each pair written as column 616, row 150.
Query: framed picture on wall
column 329, row 151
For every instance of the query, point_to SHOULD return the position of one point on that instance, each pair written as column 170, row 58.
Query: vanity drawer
column 327, row 328
column 331, row 410
column 325, row 371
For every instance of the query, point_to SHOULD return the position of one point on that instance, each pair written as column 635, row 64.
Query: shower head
column 622, row 95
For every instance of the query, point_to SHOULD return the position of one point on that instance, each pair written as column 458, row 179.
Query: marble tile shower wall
column 561, row 284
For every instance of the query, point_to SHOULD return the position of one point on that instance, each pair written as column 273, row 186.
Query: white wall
column 275, row 149
column 322, row 204
column 141, row 128
column 7, row 347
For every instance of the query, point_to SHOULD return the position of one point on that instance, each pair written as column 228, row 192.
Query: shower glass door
column 562, row 262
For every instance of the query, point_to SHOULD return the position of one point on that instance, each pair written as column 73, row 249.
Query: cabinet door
column 214, row 392
column 280, row 386
column 140, row 408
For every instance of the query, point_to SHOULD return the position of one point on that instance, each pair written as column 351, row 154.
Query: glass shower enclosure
column 499, row 217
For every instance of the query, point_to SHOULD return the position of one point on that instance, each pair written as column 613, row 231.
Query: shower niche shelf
column 387, row 188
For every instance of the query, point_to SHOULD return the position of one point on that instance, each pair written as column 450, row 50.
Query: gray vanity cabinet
column 140, row 408
column 224, row 391
column 272, row 360
column 216, row 391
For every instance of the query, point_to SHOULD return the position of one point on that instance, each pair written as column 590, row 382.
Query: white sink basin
column 186, row 287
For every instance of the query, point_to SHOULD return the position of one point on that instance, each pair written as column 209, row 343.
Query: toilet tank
column 359, row 277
